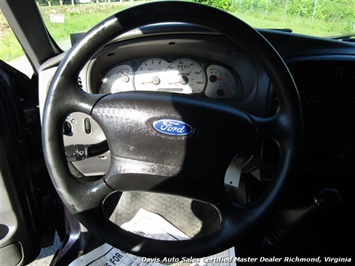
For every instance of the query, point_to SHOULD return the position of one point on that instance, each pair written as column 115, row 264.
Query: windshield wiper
column 345, row 38
column 278, row 29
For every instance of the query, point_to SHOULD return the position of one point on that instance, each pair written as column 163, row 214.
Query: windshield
column 311, row 17
column 65, row 18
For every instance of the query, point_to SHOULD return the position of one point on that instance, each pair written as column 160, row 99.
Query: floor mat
column 192, row 217
column 155, row 226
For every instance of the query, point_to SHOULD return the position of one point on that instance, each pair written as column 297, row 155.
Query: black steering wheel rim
column 285, row 126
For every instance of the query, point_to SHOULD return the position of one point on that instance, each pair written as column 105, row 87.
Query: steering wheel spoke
column 75, row 100
column 76, row 193
column 270, row 127
column 232, row 218
column 199, row 183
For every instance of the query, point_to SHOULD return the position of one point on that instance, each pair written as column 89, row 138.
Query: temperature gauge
column 221, row 83
column 118, row 79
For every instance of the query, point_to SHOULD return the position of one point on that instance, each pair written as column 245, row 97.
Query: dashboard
column 201, row 64
column 194, row 61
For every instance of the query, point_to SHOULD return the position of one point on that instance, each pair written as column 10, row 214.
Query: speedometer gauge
column 149, row 74
column 186, row 76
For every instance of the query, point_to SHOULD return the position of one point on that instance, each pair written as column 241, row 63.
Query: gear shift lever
column 288, row 226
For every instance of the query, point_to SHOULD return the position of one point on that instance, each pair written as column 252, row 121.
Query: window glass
column 66, row 19
column 10, row 49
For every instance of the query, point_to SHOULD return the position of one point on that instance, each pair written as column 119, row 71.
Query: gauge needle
column 182, row 80
column 154, row 80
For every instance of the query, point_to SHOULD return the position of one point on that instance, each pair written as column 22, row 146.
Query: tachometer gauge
column 221, row 83
column 149, row 74
column 185, row 76
column 118, row 79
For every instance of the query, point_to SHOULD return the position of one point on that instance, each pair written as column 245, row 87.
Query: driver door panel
column 20, row 169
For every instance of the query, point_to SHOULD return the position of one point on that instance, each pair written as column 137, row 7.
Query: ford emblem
column 172, row 127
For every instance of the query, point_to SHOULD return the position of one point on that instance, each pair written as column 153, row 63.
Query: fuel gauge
column 221, row 83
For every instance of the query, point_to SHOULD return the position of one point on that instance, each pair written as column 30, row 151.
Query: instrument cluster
column 179, row 75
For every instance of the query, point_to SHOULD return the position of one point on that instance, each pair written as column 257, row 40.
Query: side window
column 10, row 49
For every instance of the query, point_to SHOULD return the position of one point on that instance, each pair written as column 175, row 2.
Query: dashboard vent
column 348, row 80
column 327, row 93
column 316, row 76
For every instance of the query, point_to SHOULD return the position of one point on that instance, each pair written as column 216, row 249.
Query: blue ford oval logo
column 172, row 127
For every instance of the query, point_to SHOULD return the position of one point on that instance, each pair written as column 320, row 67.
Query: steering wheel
column 157, row 140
